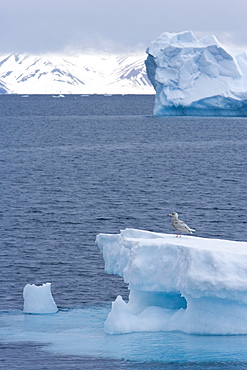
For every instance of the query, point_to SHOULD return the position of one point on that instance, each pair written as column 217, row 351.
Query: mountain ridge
column 83, row 73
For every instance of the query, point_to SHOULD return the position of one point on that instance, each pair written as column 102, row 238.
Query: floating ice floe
column 191, row 284
column 38, row 299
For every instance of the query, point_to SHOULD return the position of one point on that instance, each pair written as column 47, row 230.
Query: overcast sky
column 39, row 26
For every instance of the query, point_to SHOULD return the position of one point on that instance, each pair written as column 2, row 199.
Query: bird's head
column 173, row 215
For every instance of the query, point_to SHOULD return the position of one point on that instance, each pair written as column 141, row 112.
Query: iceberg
column 38, row 299
column 196, row 76
column 190, row 284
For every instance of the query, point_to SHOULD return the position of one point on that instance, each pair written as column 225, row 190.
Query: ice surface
column 38, row 299
column 80, row 332
column 196, row 76
column 190, row 284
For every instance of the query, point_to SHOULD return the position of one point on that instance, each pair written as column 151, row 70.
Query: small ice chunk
column 38, row 299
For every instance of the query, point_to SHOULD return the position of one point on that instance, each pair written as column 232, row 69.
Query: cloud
column 39, row 26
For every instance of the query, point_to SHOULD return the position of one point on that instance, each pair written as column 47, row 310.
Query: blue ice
column 196, row 77
column 80, row 332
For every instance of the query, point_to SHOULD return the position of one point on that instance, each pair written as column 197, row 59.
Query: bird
column 180, row 226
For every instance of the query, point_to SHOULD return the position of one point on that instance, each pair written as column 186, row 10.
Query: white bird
column 180, row 226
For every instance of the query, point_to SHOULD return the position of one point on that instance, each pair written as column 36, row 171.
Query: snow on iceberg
column 196, row 76
column 38, row 299
column 188, row 284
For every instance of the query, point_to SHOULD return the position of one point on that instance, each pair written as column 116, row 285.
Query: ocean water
column 73, row 167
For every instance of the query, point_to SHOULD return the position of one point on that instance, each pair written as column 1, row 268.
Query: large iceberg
column 196, row 76
column 189, row 284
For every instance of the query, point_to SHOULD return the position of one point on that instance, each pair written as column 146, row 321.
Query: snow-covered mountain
column 70, row 74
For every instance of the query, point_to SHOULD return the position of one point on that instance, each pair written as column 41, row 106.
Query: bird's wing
column 179, row 225
column 187, row 227
column 183, row 224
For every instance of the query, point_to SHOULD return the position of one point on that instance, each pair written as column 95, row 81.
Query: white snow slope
column 196, row 76
column 190, row 284
column 82, row 74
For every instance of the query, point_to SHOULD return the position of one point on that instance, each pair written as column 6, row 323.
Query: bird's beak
column 169, row 214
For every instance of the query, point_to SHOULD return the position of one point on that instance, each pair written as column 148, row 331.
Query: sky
column 58, row 26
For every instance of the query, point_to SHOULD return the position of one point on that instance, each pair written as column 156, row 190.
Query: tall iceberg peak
column 190, row 284
column 196, row 76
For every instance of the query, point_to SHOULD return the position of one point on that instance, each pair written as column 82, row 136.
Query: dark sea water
column 73, row 167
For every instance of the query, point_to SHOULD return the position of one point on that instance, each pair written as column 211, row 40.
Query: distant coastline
column 84, row 74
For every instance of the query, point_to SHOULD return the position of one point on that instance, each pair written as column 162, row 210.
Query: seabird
column 180, row 226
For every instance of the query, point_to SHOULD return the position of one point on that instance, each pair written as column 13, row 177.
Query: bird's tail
column 192, row 231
